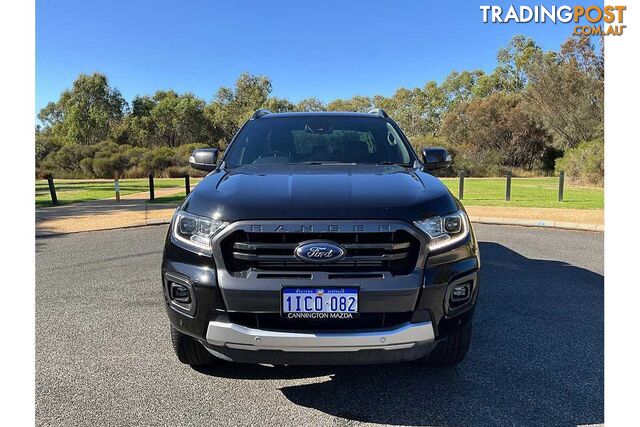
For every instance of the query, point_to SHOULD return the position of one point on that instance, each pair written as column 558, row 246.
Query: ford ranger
column 320, row 238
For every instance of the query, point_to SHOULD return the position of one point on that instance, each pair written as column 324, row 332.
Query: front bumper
column 227, row 334
column 238, row 343
column 207, row 319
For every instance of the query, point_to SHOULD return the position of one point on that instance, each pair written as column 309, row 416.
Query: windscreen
column 318, row 140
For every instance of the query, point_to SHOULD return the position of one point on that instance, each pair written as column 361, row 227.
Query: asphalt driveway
column 103, row 355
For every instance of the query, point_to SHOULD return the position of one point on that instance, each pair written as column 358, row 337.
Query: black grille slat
column 383, row 246
column 257, row 246
column 265, row 257
column 395, row 252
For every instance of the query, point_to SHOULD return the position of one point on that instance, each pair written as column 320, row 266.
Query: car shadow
column 536, row 358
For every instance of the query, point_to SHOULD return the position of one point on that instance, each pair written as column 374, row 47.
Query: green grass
column 175, row 199
column 82, row 190
column 526, row 192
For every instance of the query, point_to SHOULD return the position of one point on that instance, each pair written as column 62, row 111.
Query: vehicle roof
column 319, row 114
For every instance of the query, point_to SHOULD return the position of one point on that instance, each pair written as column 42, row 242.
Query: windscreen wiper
column 406, row 165
column 317, row 162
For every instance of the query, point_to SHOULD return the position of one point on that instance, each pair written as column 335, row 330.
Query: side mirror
column 204, row 159
column 436, row 158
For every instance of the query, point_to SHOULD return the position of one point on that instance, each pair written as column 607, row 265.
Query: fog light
column 180, row 293
column 461, row 293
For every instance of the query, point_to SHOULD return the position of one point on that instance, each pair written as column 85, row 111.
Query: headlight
column 446, row 230
column 194, row 233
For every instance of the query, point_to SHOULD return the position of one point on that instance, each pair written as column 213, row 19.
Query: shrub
column 176, row 171
column 44, row 147
column 134, row 154
column 157, row 159
column 111, row 166
column 68, row 157
column 106, row 159
column 86, row 165
column 584, row 163
column 135, row 172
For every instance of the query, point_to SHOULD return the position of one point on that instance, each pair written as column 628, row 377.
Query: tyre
column 189, row 350
column 453, row 350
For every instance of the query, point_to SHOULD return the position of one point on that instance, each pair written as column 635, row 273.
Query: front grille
column 274, row 322
column 395, row 252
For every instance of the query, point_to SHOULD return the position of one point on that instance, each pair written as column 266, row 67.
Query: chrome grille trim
column 292, row 259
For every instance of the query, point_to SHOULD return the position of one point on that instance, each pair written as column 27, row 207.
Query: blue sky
column 326, row 49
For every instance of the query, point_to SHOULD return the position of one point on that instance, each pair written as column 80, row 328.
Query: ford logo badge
column 319, row 251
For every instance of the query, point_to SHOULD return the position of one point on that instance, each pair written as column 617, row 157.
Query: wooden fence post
column 52, row 191
column 151, row 189
column 561, row 187
column 508, row 195
column 461, row 186
column 187, row 185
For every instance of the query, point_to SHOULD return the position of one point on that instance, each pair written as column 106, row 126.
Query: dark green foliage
column 157, row 159
column 549, row 158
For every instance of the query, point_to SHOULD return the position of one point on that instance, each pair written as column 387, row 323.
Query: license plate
column 320, row 303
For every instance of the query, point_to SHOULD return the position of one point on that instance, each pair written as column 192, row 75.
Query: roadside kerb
column 537, row 223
